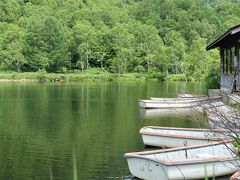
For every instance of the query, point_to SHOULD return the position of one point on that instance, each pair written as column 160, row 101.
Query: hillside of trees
column 118, row 36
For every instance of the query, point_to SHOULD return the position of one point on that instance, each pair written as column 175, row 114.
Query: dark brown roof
column 232, row 35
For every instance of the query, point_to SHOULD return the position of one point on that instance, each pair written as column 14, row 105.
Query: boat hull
column 152, row 113
column 151, row 104
column 153, row 170
column 176, row 137
column 167, row 141
column 189, row 162
column 176, row 102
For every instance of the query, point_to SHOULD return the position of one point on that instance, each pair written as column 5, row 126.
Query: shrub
column 176, row 77
column 139, row 68
column 158, row 75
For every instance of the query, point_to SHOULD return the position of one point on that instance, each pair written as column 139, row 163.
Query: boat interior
column 215, row 151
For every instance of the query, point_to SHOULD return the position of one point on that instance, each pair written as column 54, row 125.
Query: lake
column 77, row 130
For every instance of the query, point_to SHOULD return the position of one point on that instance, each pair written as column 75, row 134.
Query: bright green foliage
column 121, row 42
column 176, row 47
column 147, row 46
column 46, row 45
column 11, row 47
column 10, row 10
column 84, row 39
column 119, row 36
column 201, row 63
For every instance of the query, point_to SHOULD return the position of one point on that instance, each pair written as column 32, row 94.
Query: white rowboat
column 166, row 112
column 176, row 137
column 175, row 102
column 190, row 162
column 201, row 98
column 167, row 104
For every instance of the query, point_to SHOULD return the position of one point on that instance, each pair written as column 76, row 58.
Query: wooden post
column 230, row 61
column 222, row 59
column 226, row 66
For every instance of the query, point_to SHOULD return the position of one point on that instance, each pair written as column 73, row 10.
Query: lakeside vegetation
column 94, row 75
column 163, row 39
column 86, row 75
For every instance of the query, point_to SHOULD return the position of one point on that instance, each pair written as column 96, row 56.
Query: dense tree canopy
column 167, row 36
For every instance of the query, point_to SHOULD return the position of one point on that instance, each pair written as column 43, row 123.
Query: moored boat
column 165, row 112
column 194, row 98
column 176, row 137
column 151, row 104
column 172, row 99
column 176, row 102
column 190, row 162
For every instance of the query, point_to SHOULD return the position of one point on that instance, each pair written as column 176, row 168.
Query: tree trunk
column 18, row 67
column 148, row 65
column 87, row 61
column 101, row 62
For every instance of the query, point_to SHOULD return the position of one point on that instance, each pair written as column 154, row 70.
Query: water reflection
column 78, row 130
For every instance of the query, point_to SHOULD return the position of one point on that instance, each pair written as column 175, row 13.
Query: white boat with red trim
column 166, row 112
column 190, row 162
column 176, row 102
column 176, row 137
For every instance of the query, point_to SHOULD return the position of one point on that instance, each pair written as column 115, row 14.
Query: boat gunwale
column 186, row 161
column 180, row 148
column 190, row 102
column 168, row 101
column 170, row 107
column 194, row 99
column 184, row 136
column 187, row 129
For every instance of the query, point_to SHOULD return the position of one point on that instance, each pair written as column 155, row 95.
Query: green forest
column 164, row 37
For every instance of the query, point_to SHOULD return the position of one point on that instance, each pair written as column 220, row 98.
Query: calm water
column 76, row 131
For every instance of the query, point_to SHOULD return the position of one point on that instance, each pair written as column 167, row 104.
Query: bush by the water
column 157, row 75
column 176, row 77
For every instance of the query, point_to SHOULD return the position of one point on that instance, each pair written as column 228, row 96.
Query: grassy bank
column 89, row 75
column 68, row 77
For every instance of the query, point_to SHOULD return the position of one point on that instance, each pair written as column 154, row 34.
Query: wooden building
column 229, row 47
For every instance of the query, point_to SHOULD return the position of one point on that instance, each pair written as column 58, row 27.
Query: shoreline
column 18, row 80
column 86, row 76
column 72, row 77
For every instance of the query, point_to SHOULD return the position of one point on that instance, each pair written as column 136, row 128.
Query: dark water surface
column 77, row 131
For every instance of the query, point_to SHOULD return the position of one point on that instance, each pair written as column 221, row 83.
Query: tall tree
column 176, row 50
column 46, row 46
column 83, row 41
column 11, row 46
column 121, row 42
